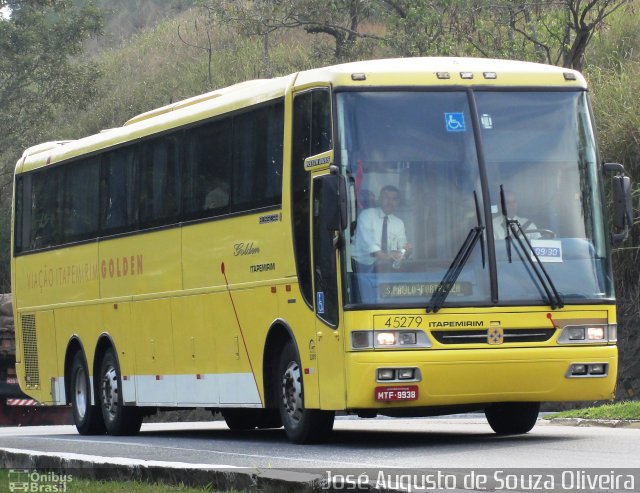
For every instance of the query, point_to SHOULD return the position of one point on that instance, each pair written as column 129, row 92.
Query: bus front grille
column 30, row 349
column 481, row 336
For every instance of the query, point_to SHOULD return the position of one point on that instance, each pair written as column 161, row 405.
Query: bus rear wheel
column 512, row 418
column 118, row 419
column 87, row 418
column 301, row 425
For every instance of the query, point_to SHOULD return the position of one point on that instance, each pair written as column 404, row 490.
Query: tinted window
column 311, row 135
column 80, row 200
column 208, row 163
column 257, row 158
column 20, row 218
column 46, row 200
column 118, row 181
column 160, row 178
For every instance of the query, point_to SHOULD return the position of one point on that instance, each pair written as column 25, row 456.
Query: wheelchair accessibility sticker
column 454, row 122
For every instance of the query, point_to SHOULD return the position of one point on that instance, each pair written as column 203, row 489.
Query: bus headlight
column 389, row 339
column 405, row 339
column 575, row 333
column 587, row 370
column 361, row 339
column 385, row 338
column 595, row 333
column 588, row 334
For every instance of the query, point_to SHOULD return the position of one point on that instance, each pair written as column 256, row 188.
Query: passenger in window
column 528, row 226
column 218, row 197
column 45, row 207
column 380, row 236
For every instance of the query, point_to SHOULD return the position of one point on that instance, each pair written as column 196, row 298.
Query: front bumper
column 468, row 376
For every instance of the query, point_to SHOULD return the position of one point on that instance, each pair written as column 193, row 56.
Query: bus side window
column 45, row 203
column 117, row 191
column 160, row 181
column 208, row 169
column 80, row 200
column 257, row 158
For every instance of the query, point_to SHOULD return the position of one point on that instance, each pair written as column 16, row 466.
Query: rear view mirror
column 334, row 202
column 622, row 206
column 623, row 210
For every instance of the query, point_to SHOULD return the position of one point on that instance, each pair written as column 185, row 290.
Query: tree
column 39, row 69
column 340, row 19
column 549, row 31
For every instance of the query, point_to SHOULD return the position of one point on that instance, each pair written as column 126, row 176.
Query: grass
column 78, row 485
column 620, row 410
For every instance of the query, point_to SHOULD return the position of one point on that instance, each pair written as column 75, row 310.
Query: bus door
column 326, row 282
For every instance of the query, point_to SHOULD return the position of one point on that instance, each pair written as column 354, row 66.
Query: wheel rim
column 110, row 392
column 292, row 391
column 81, row 391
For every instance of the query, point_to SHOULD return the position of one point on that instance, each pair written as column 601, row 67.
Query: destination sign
column 423, row 289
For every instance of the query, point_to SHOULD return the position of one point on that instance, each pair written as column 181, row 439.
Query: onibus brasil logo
column 38, row 482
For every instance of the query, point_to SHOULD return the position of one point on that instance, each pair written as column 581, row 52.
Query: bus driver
column 380, row 235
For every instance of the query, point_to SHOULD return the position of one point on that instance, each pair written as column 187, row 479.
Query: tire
column 87, row 418
column 301, row 425
column 118, row 419
column 512, row 418
column 250, row 419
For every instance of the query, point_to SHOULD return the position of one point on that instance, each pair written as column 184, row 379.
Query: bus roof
column 397, row 72
column 443, row 71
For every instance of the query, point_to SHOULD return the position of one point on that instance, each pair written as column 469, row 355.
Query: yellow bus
column 404, row 237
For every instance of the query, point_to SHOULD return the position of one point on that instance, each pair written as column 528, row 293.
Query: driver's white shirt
column 369, row 233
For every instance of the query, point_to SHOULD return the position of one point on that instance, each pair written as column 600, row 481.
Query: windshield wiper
column 513, row 226
column 448, row 281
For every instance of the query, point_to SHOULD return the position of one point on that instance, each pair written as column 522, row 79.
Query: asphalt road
column 454, row 442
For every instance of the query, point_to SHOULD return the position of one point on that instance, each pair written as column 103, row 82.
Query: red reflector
column 397, row 393
column 157, row 377
column 288, row 287
column 198, row 377
column 273, row 289
column 125, row 377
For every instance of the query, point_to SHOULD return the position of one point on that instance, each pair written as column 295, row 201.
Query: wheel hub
column 292, row 391
column 80, row 386
column 110, row 392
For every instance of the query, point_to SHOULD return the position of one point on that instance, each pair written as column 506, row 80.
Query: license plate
column 404, row 393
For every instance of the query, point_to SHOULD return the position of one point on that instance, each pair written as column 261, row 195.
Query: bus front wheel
column 512, row 418
column 87, row 418
column 301, row 425
column 118, row 419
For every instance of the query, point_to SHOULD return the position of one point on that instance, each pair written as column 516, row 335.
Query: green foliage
column 40, row 71
column 156, row 68
column 546, row 31
column 613, row 71
column 36, row 70
column 620, row 410
column 126, row 18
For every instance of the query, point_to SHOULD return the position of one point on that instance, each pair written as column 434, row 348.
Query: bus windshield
column 413, row 159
